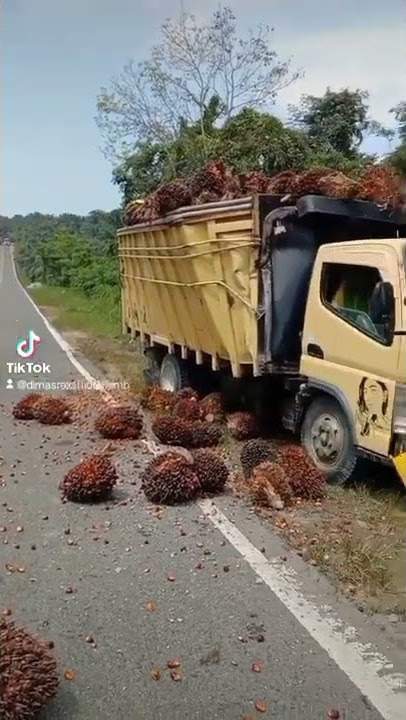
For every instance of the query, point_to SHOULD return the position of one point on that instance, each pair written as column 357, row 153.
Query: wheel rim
column 327, row 439
column 169, row 379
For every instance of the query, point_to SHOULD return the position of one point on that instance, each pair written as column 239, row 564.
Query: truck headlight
column 399, row 410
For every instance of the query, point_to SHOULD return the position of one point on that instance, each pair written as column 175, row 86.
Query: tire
column 325, row 422
column 153, row 370
column 174, row 374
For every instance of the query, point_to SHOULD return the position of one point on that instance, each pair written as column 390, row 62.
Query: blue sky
column 55, row 56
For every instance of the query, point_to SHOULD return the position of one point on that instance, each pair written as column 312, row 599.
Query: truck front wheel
column 326, row 435
column 174, row 374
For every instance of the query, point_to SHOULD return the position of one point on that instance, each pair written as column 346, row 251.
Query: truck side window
column 347, row 290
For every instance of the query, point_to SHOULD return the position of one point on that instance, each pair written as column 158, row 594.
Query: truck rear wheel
column 152, row 371
column 174, row 374
column 326, row 435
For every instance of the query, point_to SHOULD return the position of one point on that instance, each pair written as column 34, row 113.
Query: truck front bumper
column 399, row 462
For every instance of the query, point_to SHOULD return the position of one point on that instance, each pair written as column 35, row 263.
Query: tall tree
column 336, row 120
column 194, row 63
column 398, row 158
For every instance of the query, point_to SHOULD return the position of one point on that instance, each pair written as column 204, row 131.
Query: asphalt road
column 230, row 600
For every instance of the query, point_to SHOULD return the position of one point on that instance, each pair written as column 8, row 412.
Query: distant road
column 204, row 584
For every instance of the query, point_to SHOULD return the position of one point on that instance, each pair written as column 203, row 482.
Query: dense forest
column 67, row 250
column 203, row 93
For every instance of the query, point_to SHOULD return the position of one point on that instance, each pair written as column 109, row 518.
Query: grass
column 93, row 326
column 357, row 536
column 73, row 310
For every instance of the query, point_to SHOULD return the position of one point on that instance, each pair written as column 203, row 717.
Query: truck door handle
column 315, row 351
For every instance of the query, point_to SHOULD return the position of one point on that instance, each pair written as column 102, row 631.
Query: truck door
column 344, row 348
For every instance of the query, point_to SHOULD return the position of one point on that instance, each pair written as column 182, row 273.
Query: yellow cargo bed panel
column 192, row 280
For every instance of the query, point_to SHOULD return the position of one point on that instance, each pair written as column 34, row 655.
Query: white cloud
column 374, row 60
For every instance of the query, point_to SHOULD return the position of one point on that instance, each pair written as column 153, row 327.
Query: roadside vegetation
column 156, row 126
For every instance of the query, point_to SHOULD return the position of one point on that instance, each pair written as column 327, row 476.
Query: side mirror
column 382, row 302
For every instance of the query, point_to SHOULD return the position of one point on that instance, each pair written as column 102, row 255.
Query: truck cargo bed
column 228, row 281
column 191, row 280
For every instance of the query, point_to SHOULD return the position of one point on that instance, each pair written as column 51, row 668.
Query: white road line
column 58, row 338
column 1, row 264
column 364, row 672
column 366, row 669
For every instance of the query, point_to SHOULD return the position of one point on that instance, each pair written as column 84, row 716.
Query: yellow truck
column 306, row 301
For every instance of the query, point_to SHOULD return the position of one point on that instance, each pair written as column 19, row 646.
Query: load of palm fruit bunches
column 217, row 182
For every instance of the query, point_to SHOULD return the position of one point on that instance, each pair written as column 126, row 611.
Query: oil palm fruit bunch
column 382, row 185
column 53, row 410
column 173, row 195
column 172, row 430
column 90, row 480
column 305, row 479
column 156, row 399
column 262, row 486
column 169, row 479
column 120, row 422
column 211, row 178
column 282, row 183
column 187, row 408
column 255, row 452
column 253, row 182
column 242, row 425
column 211, row 407
column 26, row 407
column 211, row 470
column 204, row 434
column 271, row 474
column 28, row 673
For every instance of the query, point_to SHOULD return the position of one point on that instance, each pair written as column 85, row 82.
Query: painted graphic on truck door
column 372, row 408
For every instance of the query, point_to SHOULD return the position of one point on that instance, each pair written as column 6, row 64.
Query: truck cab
column 354, row 355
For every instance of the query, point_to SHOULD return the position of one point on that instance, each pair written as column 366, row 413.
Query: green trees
column 67, row 250
column 398, row 158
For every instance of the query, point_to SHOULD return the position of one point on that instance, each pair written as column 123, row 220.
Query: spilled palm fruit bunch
column 253, row 182
column 211, row 408
column 173, row 195
column 305, row 479
column 25, row 409
column 28, row 673
column 156, row 399
column 187, row 392
column 121, row 422
column 242, row 425
column 53, row 411
column 173, row 430
column 92, row 479
column 255, row 452
column 269, row 485
column 211, row 470
column 170, row 479
column 204, row 434
column 187, row 407
column 273, row 474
